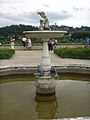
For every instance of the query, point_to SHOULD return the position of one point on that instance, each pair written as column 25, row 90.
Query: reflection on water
column 18, row 100
column 46, row 107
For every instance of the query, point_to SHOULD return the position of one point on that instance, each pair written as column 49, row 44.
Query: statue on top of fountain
column 44, row 24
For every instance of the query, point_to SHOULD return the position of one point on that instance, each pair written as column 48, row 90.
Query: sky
column 74, row 13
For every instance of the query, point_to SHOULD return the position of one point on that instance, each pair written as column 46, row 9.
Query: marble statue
column 44, row 23
column 53, row 72
column 40, row 71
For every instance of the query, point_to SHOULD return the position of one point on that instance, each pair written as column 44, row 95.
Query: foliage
column 6, row 53
column 76, row 53
column 80, row 35
column 14, row 30
column 74, row 35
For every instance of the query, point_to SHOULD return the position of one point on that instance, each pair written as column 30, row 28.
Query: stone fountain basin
column 44, row 35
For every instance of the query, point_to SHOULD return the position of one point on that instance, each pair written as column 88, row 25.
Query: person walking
column 12, row 42
column 24, row 42
column 29, row 43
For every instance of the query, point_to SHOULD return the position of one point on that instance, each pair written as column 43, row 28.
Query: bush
column 76, row 53
column 6, row 53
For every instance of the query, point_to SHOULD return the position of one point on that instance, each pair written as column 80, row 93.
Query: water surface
column 17, row 99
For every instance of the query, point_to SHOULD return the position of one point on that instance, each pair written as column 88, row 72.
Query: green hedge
column 76, row 53
column 6, row 53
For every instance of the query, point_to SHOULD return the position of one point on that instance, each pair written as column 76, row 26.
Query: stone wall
column 28, row 69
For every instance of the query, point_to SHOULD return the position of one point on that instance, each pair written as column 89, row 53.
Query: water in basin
column 17, row 98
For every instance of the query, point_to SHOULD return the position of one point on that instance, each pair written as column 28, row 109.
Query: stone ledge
column 73, row 68
column 31, row 69
column 75, row 118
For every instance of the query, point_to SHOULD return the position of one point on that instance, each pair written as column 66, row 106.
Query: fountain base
column 45, row 85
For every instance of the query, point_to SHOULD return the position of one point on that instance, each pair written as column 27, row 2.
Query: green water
column 27, row 77
column 17, row 98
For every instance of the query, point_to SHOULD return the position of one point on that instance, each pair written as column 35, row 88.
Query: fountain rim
column 31, row 69
column 45, row 31
column 44, row 35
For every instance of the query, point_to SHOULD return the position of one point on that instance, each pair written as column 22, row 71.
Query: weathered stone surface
column 31, row 69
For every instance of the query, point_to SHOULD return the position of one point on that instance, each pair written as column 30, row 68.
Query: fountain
column 17, row 93
column 46, row 74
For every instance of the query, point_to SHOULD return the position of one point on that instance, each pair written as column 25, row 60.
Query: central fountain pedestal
column 45, row 83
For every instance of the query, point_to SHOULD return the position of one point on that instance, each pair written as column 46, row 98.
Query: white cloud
column 66, row 12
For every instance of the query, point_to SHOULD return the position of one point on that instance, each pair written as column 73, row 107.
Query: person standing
column 50, row 45
column 55, row 42
column 24, row 42
column 29, row 43
column 12, row 42
column 89, row 42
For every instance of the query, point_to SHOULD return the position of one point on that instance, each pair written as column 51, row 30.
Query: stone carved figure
column 40, row 71
column 44, row 24
column 41, row 25
column 53, row 72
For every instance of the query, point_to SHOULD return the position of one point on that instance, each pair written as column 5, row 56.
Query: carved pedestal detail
column 45, row 85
